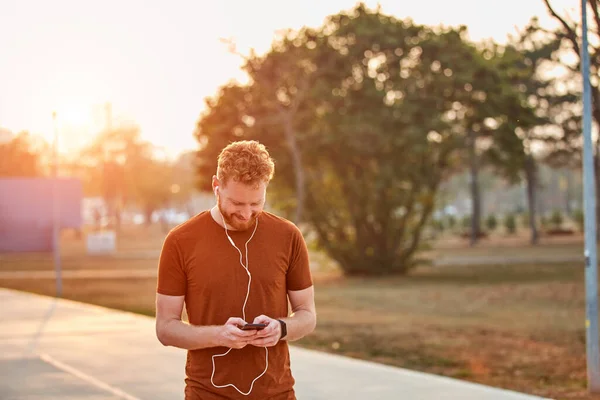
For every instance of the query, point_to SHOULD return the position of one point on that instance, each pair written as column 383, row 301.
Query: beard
column 234, row 221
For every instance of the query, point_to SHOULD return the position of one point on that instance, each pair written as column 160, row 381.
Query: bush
column 491, row 222
column 466, row 222
column 510, row 224
column 578, row 219
column 438, row 225
column 451, row 222
column 557, row 219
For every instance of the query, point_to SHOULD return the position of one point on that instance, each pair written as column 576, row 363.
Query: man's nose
column 246, row 213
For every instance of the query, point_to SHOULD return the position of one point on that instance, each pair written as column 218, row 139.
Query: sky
column 156, row 61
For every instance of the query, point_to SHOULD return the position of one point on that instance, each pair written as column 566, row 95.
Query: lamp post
column 56, row 211
column 589, row 201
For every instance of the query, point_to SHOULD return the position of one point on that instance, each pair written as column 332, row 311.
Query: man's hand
column 230, row 334
column 270, row 335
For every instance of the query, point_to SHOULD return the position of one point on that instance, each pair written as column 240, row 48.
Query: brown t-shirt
column 198, row 261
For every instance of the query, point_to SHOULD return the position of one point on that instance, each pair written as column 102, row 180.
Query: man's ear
column 215, row 183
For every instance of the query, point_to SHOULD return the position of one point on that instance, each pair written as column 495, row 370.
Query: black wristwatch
column 283, row 329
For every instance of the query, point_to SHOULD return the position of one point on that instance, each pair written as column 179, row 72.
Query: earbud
column 216, row 189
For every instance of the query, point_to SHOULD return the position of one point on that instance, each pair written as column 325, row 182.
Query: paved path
column 53, row 349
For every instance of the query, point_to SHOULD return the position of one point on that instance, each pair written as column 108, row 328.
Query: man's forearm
column 179, row 334
column 300, row 324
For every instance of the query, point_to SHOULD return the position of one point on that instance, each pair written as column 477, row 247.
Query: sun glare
column 74, row 115
column 75, row 125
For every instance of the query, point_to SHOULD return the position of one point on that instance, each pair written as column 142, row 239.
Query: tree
column 477, row 110
column 529, row 118
column 184, row 180
column 126, row 172
column 18, row 158
column 281, row 81
column 378, row 126
column 510, row 223
column 569, row 35
column 149, row 184
column 227, row 118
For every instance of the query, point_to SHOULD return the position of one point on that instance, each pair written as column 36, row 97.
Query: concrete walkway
column 52, row 349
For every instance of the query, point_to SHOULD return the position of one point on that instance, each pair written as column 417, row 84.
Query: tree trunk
column 530, row 177
column 568, row 193
column 475, row 193
column 298, row 169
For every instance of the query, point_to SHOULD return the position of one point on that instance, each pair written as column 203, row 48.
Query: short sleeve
column 171, row 272
column 298, row 276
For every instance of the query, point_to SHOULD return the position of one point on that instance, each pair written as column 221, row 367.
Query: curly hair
column 246, row 161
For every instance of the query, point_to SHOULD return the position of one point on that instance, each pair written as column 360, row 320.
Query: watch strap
column 283, row 329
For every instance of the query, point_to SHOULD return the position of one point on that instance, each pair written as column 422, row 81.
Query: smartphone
column 250, row 327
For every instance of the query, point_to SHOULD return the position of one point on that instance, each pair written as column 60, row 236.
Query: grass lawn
column 516, row 245
column 518, row 327
column 137, row 247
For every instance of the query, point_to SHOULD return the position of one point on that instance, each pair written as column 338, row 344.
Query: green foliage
column 451, row 222
column 337, row 106
column 466, row 222
column 438, row 225
column 566, row 58
column 491, row 222
column 579, row 219
column 531, row 102
column 556, row 219
column 510, row 223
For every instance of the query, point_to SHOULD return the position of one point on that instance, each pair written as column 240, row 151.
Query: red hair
column 246, row 161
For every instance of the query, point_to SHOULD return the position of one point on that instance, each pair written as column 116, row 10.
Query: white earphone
column 243, row 309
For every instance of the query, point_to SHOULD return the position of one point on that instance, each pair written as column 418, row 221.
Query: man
column 233, row 265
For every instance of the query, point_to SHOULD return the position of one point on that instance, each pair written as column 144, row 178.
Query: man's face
column 241, row 204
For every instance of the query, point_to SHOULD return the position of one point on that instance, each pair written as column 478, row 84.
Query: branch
column 594, row 6
column 569, row 30
column 575, row 68
column 303, row 86
column 287, row 113
column 302, row 89
column 403, row 222
column 232, row 48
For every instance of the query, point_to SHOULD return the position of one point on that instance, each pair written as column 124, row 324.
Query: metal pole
column 56, row 212
column 589, row 199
